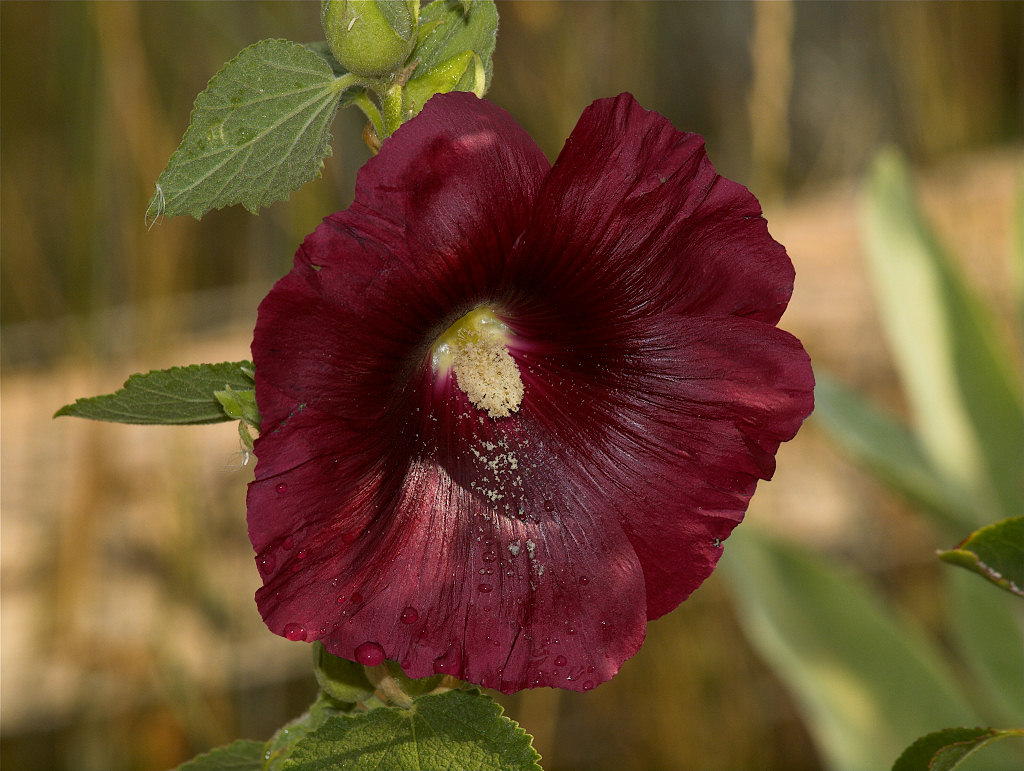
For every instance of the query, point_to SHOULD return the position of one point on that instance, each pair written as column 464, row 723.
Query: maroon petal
column 639, row 204
column 455, row 545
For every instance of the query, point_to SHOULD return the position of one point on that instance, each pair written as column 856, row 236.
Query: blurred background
column 129, row 636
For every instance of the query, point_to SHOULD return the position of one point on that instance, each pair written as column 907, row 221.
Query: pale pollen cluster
column 487, row 373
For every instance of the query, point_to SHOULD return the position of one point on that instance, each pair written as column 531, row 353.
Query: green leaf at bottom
column 242, row 755
column 176, row 396
column 456, row 729
column 945, row 749
column 995, row 552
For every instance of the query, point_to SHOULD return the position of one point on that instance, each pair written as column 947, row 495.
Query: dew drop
column 341, row 598
column 301, row 555
column 561, row 661
column 448, row 664
column 584, row 580
column 409, row 616
column 590, row 668
column 295, row 632
column 570, row 630
column 357, row 597
column 489, row 556
column 588, row 685
column 370, row 654
column 281, row 487
column 485, row 588
column 549, row 506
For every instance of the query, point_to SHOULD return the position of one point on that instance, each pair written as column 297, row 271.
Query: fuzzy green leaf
column 456, row 729
column 242, row 755
column 176, row 396
column 259, row 130
column 995, row 552
column 944, row 750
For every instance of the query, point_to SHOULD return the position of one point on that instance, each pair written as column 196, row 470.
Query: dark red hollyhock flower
column 511, row 410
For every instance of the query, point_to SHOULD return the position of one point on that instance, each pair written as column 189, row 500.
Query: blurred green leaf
column 964, row 394
column 868, row 683
column 456, row 729
column 259, row 130
column 985, row 629
column 995, row 552
column 945, row 750
column 882, row 444
column 242, row 755
column 175, row 396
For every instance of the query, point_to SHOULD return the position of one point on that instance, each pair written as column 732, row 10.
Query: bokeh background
column 129, row 635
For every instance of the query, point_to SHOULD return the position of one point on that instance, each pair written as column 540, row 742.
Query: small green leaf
column 456, row 729
column 448, row 30
column 995, row 552
column 340, row 678
column 176, row 396
column 259, row 130
column 240, row 405
column 944, row 750
column 242, row 755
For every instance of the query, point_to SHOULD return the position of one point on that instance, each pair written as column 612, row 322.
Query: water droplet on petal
column 570, row 630
column 549, row 506
column 295, row 632
column 409, row 616
column 448, row 664
column 341, row 598
column 584, row 580
column 485, row 588
column 561, row 661
column 489, row 556
column 590, row 668
column 281, row 487
column 588, row 685
column 370, row 654
column 301, row 555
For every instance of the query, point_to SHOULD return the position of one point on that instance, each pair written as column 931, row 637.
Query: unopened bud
column 371, row 38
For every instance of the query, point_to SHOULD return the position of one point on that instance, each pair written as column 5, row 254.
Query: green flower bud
column 371, row 38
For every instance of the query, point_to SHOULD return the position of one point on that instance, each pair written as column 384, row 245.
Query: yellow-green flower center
column 475, row 348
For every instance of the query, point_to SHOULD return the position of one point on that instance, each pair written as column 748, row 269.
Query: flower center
column 475, row 347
